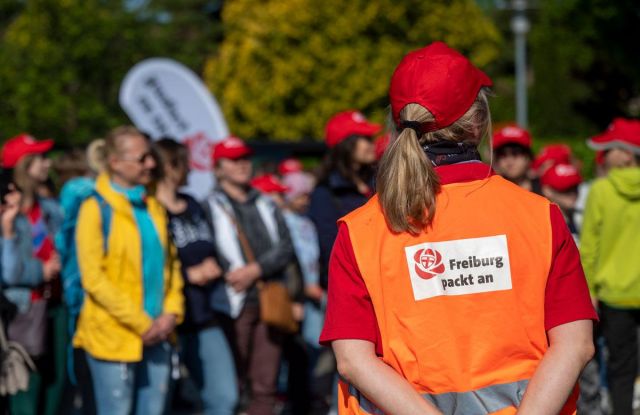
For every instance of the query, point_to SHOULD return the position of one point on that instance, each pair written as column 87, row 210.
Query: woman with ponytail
column 453, row 291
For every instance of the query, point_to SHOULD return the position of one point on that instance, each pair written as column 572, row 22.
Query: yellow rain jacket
column 112, row 319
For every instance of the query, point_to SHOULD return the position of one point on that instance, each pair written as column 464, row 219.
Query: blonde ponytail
column 407, row 184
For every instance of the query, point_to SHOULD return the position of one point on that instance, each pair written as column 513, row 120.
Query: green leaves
column 285, row 67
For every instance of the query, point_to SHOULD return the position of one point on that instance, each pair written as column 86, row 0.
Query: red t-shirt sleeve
column 567, row 296
column 350, row 313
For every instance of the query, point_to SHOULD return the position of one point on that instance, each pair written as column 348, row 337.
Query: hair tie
column 414, row 125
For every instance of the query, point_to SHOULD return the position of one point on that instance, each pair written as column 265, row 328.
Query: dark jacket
column 193, row 237
column 331, row 200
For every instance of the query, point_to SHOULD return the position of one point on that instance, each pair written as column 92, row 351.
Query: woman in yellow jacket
column 132, row 283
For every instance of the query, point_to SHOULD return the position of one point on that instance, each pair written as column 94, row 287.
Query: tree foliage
column 62, row 61
column 285, row 67
column 584, row 60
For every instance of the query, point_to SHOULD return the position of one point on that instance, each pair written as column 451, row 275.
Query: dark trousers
column 257, row 350
column 619, row 328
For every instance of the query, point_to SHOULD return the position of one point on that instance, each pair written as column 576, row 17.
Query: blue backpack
column 73, row 194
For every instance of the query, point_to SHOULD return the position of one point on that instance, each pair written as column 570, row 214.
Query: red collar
column 463, row 172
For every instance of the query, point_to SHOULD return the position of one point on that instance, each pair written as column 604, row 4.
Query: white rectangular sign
column 465, row 266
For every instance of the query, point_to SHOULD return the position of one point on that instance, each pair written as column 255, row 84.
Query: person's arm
column 30, row 270
column 570, row 348
column 569, row 318
column 174, row 297
column 324, row 215
column 90, row 245
column 275, row 260
column 9, row 253
column 359, row 365
column 590, row 236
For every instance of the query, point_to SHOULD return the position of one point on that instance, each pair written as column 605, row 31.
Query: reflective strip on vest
column 482, row 401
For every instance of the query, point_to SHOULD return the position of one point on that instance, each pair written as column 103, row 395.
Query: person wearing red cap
column 453, row 290
column 551, row 155
column 38, row 286
column 608, row 240
column 254, row 245
column 288, row 166
column 345, row 177
column 512, row 156
column 560, row 185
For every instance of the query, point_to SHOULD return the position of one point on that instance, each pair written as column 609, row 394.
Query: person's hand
column 153, row 335
column 51, row 268
column 210, row 269
column 166, row 323
column 314, row 292
column 160, row 330
column 195, row 275
column 11, row 208
column 297, row 309
column 242, row 278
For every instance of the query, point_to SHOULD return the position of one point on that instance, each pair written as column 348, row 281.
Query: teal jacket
column 610, row 239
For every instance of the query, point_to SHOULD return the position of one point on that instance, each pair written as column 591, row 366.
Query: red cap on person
column 346, row 124
column 289, row 166
column 622, row 132
column 230, row 148
column 438, row 78
column 556, row 153
column 561, row 177
column 268, row 183
column 511, row 134
column 22, row 145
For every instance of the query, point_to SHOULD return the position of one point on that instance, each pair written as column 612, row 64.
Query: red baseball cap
column 17, row 147
column 438, row 78
column 622, row 132
column 348, row 123
column 511, row 134
column 561, row 177
column 268, row 183
column 289, row 166
column 557, row 153
column 230, row 148
column 381, row 145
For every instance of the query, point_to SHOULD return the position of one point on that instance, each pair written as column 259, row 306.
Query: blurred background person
column 41, row 323
column 513, row 157
column 288, row 166
column 609, row 235
column 75, row 171
column 305, row 241
column 205, row 349
column 549, row 156
column 132, row 282
column 345, row 178
column 253, row 239
column 560, row 185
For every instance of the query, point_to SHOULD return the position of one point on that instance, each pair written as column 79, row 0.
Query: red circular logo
column 428, row 263
column 199, row 151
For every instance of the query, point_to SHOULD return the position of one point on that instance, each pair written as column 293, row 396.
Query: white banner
column 164, row 98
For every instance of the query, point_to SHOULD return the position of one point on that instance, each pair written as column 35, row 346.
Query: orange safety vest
column 460, row 306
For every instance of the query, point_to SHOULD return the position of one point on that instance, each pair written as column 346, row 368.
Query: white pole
column 520, row 27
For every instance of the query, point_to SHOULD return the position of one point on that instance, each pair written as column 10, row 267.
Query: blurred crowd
column 130, row 296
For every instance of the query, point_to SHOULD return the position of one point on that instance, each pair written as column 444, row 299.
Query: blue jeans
column 123, row 388
column 210, row 362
